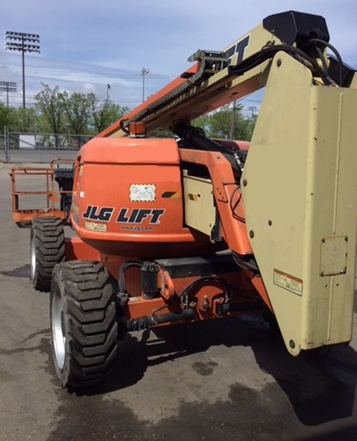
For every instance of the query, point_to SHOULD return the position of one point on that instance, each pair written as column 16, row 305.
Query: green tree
column 220, row 123
column 25, row 120
column 50, row 103
column 227, row 123
column 202, row 122
column 7, row 117
column 247, row 127
column 79, row 108
column 106, row 114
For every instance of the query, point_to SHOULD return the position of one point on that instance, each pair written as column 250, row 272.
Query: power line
column 50, row 71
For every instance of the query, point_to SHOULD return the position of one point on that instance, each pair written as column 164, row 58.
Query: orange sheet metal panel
column 127, row 199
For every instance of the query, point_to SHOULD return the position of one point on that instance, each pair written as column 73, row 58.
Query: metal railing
column 40, row 191
column 38, row 147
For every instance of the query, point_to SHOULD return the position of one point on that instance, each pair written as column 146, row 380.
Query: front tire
column 47, row 248
column 84, row 329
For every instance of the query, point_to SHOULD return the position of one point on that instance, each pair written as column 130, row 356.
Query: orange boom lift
column 182, row 229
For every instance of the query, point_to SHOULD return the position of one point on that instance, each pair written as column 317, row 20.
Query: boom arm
column 217, row 78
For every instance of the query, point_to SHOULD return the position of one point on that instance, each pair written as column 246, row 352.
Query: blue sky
column 87, row 44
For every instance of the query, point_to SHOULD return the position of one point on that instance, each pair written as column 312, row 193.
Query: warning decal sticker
column 288, row 282
column 142, row 192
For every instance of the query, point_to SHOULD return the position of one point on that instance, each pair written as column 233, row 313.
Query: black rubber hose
column 122, row 268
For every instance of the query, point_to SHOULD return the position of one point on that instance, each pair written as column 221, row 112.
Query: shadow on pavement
column 319, row 389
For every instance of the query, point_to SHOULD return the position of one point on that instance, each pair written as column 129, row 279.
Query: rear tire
column 47, row 248
column 84, row 329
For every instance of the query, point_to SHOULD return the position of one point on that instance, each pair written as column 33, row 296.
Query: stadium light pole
column 144, row 71
column 8, row 86
column 21, row 42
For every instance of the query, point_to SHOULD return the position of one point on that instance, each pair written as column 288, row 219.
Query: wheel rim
column 33, row 259
column 58, row 334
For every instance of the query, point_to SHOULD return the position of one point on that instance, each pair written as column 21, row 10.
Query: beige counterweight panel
column 300, row 199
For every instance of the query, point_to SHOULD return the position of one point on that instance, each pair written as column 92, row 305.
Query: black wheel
column 47, row 248
column 83, row 323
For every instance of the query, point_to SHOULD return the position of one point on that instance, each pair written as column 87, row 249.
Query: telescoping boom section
column 184, row 228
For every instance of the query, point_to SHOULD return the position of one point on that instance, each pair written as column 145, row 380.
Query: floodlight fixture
column 22, row 42
column 8, row 86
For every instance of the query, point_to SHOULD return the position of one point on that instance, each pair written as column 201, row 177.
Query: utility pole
column 144, row 71
column 233, row 120
column 21, row 42
column 8, row 86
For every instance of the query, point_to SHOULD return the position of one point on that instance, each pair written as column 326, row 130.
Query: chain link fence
column 18, row 147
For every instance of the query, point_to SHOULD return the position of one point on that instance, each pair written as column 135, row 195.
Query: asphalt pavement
column 221, row 380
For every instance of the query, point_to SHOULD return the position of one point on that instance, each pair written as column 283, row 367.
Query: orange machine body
column 128, row 199
column 128, row 206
